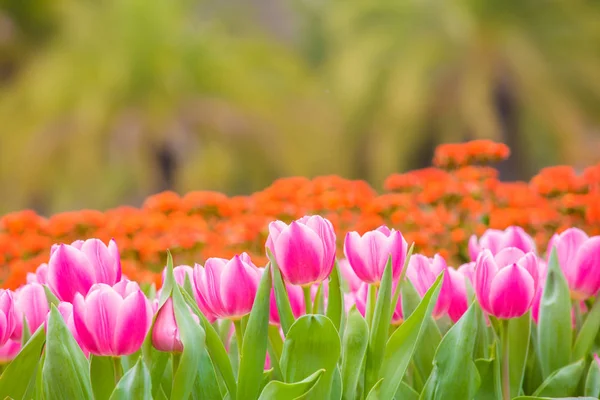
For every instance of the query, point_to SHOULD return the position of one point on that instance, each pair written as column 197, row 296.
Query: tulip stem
column 118, row 369
column 307, row 299
column 239, row 335
column 578, row 316
column 371, row 300
column 505, row 360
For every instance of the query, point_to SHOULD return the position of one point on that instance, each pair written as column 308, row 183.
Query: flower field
column 451, row 284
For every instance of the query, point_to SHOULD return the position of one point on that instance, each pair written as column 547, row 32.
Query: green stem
column 578, row 316
column 118, row 369
column 505, row 360
column 239, row 335
column 371, row 300
column 175, row 358
column 307, row 299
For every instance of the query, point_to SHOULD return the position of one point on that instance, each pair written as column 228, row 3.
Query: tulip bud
column 458, row 297
column 109, row 323
column 304, row 250
column 422, row 273
column 165, row 333
column 227, row 288
column 495, row 240
column 506, row 284
column 75, row 268
column 368, row 255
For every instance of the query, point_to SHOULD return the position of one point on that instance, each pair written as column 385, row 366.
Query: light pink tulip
column 30, row 302
column 304, row 250
column 112, row 321
column 296, row 297
column 458, row 301
column 9, row 351
column 75, row 268
column 40, row 276
column 495, row 240
column 506, row 284
column 165, row 333
column 422, row 272
column 368, row 254
column 579, row 259
column 227, row 288
column 8, row 315
column 360, row 300
column 348, row 274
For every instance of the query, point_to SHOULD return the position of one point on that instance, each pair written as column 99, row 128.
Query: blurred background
column 105, row 102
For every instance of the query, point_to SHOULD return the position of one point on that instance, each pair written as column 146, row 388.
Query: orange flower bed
column 437, row 208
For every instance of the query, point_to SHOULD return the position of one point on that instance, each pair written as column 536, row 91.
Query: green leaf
column 405, row 392
column 519, row 330
column 588, row 332
column 552, row 398
column 489, row 373
column 312, row 344
column 401, row 279
column 555, row 334
column 335, row 299
column 318, row 303
column 562, row 382
column 17, row 375
column 52, row 299
column 192, row 337
column 102, row 373
column 425, row 352
column 454, row 374
column 356, row 336
column 157, row 369
column 216, row 349
column 66, row 372
column 206, row 385
column 26, row 332
column 254, row 347
column 374, row 393
column 336, row 384
column 135, row 384
column 401, row 346
column 379, row 328
column 285, row 391
column 284, row 308
column 592, row 382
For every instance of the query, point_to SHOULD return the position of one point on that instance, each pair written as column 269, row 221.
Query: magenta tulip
column 360, row 300
column 296, row 297
column 227, row 288
column 495, row 240
column 422, row 273
column 506, row 284
column 112, row 321
column 165, row 333
column 40, row 275
column 30, row 302
column 9, row 351
column 579, row 259
column 75, row 268
column 369, row 254
column 304, row 250
column 8, row 316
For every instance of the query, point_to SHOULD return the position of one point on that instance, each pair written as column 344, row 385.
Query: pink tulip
column 75, row 268
column 180, row 272
column 227, row 288
column 40, row 276
column 537, row 299
column 348, row 274
column 422, row 273
column 368, row 255
column 304, row 250
column 579, row 259
column 165, row 333
column 296, row 297
column 112, row 321
column 8, row 316
column 458, row 301
column 495, row 240
column 9, row 351
column 505, row 284
column 360, row 300
column 30, row 302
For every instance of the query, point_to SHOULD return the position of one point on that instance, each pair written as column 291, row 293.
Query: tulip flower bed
column 381, row 323
column 436, row 208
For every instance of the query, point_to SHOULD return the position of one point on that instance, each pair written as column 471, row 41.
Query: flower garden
column 449, row 284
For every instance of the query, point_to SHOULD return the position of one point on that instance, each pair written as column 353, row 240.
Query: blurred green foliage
column 105, row 102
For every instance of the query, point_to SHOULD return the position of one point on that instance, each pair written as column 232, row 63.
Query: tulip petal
column 567, row 245
column 485, row 270
column 105, row 265
column 69, row 272
column 238, row 288
column 512, row 292
column 33, row 303
column 420, row 274
column 213, row 270
column 113, row 250
column 587, row 281
column 508, row 256
column 79, row 321
column 131, row 324
column 299, row 253
column 102, row 305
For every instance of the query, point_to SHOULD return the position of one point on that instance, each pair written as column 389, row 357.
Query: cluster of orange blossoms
column 437, row 208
